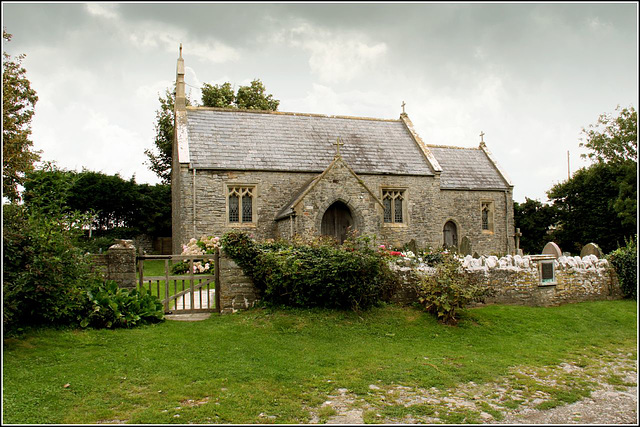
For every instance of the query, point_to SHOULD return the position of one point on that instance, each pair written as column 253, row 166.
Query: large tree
column 586, row 209
column 18, row 102
column 598, row 203
column 115, row 204
column 160, row 158
column 614, row 140
column 252, row 97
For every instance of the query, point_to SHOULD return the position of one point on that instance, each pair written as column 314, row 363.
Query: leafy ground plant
column 114, row 307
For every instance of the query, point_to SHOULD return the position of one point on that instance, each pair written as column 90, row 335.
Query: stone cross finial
column 403, row 104
column 481, row 136
column 338, row 144
column 518, row 234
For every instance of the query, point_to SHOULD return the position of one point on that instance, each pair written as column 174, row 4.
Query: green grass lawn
column 232, row 368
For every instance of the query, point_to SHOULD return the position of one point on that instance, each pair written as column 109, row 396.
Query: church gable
column 469, row 169
column 335, row 200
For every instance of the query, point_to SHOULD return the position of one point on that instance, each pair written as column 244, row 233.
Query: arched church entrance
column 335, row 221
column 450, row 232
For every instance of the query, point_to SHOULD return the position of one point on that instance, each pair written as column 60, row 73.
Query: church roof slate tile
column 467, row 168
column 247, row 140
column 300, row 143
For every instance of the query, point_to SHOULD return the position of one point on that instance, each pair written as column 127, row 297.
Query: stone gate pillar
column 121, row 264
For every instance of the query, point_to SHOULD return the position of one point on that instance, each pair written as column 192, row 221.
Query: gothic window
column 240, row 203
column 393, row 202
column 487, row 216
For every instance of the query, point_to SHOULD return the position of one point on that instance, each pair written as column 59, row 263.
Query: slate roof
column 467, row 168
column 241, row 140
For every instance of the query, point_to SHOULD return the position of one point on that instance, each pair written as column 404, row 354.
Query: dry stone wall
column 517, row 279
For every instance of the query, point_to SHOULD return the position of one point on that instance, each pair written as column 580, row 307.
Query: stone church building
column 277, row 174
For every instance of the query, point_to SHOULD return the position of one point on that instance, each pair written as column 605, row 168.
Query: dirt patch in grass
column 602, row 390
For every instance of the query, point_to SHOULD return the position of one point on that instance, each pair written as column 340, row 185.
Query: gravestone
column 552, row 249
column 517, row 236
column 465, row 246
column 591, row 249
column 412, row 246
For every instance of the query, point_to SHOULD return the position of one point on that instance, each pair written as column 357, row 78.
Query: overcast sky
column 529, row 76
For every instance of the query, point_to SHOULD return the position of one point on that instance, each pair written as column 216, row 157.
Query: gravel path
column 608, row 387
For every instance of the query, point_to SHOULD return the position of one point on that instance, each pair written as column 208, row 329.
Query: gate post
column 121, row 264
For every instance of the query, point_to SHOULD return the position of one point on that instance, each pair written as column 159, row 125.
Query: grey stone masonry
column 236, row 289
column 428, row 207
column 118, row 264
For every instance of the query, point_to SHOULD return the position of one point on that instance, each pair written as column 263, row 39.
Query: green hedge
column 625, row 262
column 319, row 274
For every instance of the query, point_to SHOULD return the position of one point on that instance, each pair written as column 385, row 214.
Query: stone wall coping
column 508, row 262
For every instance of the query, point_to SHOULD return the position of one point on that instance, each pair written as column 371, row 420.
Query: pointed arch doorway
column 450, row 234
column 336, row 220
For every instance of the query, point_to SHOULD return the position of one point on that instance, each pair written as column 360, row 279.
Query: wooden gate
column 189, row 292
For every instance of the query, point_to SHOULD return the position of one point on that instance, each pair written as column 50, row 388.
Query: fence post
column 140, row 269
column 216, row 273
column 166, row 285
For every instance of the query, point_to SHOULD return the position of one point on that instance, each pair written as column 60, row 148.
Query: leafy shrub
column 111, row 307
column 449, row 289
column 625, row 262
column 45, row 273
column 312, row 274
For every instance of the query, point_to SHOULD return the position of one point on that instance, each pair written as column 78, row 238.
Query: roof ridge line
column 287, row 113
column 452, row 146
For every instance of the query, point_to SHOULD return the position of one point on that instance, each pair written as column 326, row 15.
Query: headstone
column 552, row 249
column 412, row 246
column 591, row 249
column 465, row 246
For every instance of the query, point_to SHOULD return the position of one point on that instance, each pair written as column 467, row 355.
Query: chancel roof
column 245, row 140
column 467, row 169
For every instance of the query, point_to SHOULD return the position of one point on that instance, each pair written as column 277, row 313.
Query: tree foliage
column 112, row 202
column 18, row 102
column 534, row 219
column 613, row 139
column 220, row 96
column 160, row 157
column 252, row 97
column 598, row 203
column 586, row 209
